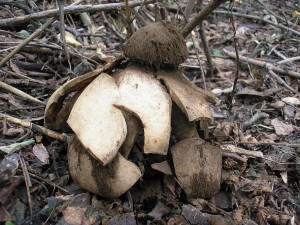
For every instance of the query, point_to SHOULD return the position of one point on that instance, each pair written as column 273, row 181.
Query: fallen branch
column 4, row 23
column 262, row 64
column 18, row 92
column 35, row 127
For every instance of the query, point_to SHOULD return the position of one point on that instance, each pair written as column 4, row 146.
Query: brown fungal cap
column 157, row 44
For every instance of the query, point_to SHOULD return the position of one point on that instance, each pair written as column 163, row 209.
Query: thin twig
column 262, row 64
column 254, row 118
column 62, row 28
column 282, row 82
column 194, row 22
column 263, row 143
column 27, row 181
column 188, row 9
column 289, row 60
column 35, row 127
column 260, row 19
column 234, row 156
column 26, row 41
column 234, row 149
column 11, row 22
column 18, row 92
column 237, row 71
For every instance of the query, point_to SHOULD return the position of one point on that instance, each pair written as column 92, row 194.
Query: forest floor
column 257, row 130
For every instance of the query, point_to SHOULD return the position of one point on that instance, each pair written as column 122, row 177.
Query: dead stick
column 257, row 116
column 35, row 127
column 27, row 182
column 26, row 41
column 234, row 156
column 233, row 149
column 18, row 92
column 67, row 10
column 194, row 22
column 262, row 64
column 260, row 19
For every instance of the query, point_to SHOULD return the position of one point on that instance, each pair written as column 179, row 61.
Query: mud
column 157, row 44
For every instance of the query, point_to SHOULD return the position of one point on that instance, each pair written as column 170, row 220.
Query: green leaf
column 8, row 222
column 217, row 53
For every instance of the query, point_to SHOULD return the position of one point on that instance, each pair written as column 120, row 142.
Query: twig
column 62, row 28
column 258, row 115
column 27, row 182
column 26, row 41
column 234, row 156
column 289, row 60
column 18, row 92
column 197, row 53
column 68, row 10
column 35, row 127
column 194, row 22
column 263, row 143
column 188, row 9
column 210, row 67
column 237, row 72
column 233, row 149
column 262, row 64
column 48, row 182
column 282, row 82
column 260, row 19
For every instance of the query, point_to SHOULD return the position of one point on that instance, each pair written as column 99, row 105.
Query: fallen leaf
column 282, row 128
column 291, row 100
column 41, row 153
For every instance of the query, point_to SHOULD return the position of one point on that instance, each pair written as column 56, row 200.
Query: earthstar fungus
column 110, row 111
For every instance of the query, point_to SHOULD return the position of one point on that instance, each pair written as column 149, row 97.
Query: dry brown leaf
column 163, row 167
column 282, row 128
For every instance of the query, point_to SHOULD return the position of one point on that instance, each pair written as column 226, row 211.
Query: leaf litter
column 260, row 159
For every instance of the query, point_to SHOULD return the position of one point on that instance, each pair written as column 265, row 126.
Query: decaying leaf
column 162, row 167
column 41, row 153
column 109, row 181
column 143, row 95
column 99, row 125
column 282, row 128
column 189, row 99
column 198, row 167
